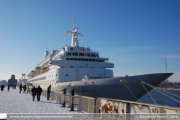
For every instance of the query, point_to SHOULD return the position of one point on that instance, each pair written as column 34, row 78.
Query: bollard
column 72, row 106
column 64, row 92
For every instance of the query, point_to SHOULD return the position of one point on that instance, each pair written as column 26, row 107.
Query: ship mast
column 74, row 41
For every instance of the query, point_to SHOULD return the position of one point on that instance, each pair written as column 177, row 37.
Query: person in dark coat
column 15, row 86
column 24, row 87
column 33, row 92
column 2, row 87
column 48, row 92
column 8, row 87
column 20, row 87
column 39, row 91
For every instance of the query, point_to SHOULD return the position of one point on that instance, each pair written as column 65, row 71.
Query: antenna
column 73, row 24
column 166, row 64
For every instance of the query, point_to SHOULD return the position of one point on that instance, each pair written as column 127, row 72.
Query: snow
column 14, row 102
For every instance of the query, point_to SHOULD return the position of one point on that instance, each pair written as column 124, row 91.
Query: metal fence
column 105, row 105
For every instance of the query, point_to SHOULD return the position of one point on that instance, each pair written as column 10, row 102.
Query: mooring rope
column 89, row 89
column 162, row 93
column 131, row 92
column 162, row 90
column 148, row 92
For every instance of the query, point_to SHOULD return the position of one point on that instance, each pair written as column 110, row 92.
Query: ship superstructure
column 81, row 67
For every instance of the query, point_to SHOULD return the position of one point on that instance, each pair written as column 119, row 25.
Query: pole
column 166, row 64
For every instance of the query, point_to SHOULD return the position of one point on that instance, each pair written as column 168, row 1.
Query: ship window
column 75, row 58
column 81, row 54
column 92, row 55
column 68, row 53
column 67, row 58
column 99, row 60
column 86, row 59
column 92, row 59
column 67, row 74
column 88, row 54
column 71, row 66
column 71, row 48
column 89, row 59
column 71, row 58
column 82, row 59
column 97, row 55
column 79, row 59
column 75, row 54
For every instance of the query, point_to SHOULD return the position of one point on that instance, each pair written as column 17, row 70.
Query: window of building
column 75, row 54
column 67, row 58
column 71, row 48
column 81, row 54
column 93, row 55
column 71, row 58
column 97, row 55
column 79, row 59
column 75, row 58
column 82, row 59
column 88, row 54
column 86, row 59
column 68, row 54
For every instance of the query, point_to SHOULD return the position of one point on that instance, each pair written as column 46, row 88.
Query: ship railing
column 95, row 51
column 108, row 62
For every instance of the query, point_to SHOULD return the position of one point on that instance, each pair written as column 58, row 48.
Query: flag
column 67, row 33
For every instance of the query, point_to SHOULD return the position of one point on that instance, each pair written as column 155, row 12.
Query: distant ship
column 81, row 68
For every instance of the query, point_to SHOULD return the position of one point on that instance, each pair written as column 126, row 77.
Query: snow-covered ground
column 14, row 102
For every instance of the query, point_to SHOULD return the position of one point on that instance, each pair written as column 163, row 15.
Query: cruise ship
column 82, row 69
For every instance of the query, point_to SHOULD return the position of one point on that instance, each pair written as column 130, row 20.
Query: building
column 12, row 81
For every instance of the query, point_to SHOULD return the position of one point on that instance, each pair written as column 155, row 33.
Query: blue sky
column 135, row 35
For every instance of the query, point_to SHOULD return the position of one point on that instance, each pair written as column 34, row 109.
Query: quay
column 13, row 102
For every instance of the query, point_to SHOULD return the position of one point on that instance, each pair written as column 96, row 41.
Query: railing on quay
column 106, row 105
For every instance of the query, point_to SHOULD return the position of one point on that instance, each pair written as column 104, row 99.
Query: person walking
column 24, row 87
column 8, row 87
column 2, row 87
column 48, row 92
column 33, row 92
column 20, row 87
column 39, row 91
